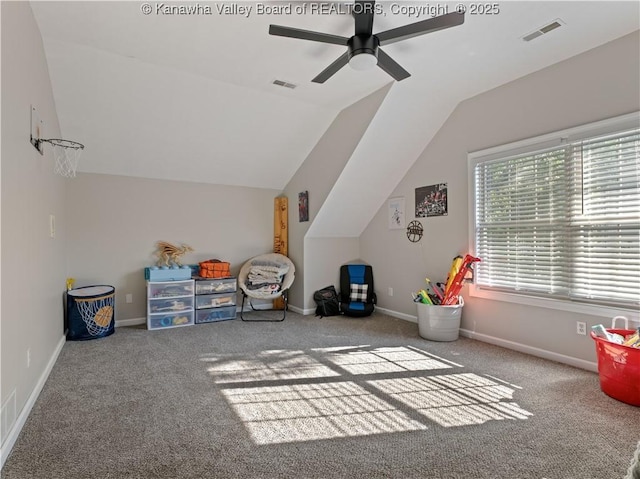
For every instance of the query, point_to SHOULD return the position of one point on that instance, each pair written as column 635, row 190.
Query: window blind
column 563, row 221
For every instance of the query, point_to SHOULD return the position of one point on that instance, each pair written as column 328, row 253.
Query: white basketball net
column 66, row 154
column 66, row 161
column 96, row 313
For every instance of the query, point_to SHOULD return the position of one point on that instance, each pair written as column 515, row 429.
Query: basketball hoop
column 66, row 154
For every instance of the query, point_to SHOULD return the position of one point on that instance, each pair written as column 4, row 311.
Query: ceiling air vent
column 542, row 30
column 284, row 84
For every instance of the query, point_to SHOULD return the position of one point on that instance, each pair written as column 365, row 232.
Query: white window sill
column 560, row 305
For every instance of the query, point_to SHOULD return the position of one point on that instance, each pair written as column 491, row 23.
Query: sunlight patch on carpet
column 359, row 361
column 284, row 396
column 309, row 412
column 454, row 399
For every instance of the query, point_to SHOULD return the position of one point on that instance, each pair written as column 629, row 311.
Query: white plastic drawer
column 170, row 305
column 212, row 286
column 171, row 289
column 215, row 314
column 216, row 300
column 172, row 320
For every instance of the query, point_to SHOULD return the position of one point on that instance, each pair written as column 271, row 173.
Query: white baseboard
column 13, row 434
column 265, row 307
column 130, row 322
column 304, row 312
column 504, row 343
column 396, row 314
column 523, row 348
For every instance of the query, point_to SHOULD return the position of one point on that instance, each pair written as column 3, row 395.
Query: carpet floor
column 317, row 398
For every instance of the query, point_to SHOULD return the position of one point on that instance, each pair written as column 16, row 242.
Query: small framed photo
column 396, row 213
column 303, row 206
column 431, row 201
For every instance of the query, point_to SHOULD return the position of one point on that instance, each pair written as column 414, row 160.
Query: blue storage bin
column 165, row 273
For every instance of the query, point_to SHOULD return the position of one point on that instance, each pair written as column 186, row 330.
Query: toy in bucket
column 618, row 352
column 457, row 274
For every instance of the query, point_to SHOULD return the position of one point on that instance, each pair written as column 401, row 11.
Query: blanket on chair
column 266, row 276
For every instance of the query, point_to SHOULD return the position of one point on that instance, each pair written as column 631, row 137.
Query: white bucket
column 439, row 323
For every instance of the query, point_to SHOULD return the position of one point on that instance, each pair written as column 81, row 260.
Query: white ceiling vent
column 542, row 30
column 284, row 84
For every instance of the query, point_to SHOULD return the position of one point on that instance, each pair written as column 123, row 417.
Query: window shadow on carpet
column 286, row 396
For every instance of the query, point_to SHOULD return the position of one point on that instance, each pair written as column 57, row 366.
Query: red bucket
column 619, row 368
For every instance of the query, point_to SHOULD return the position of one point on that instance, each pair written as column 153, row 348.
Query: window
column 559, row 216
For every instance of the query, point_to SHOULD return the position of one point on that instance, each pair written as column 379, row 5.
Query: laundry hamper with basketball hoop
column 90, row 312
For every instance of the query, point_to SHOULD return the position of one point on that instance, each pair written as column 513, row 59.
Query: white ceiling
column 191, row 97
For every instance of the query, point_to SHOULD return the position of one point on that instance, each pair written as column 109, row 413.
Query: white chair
column 283, row 291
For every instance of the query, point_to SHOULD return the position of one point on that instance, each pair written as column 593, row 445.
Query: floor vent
column 7, row 416
column 542, row 30
column 284, row 84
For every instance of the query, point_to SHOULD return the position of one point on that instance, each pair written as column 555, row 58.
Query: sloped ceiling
column 190, row 97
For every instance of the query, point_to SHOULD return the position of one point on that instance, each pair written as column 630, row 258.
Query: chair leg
column 284, row 313
column 242, row 306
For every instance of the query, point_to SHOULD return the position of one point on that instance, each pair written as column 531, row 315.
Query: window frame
column 529, row 145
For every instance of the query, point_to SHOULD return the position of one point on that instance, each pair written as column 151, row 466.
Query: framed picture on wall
column 431, row 201
column 303, row 206
column 396, row 213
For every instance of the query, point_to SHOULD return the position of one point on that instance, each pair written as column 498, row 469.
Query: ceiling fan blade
column 420, row 28
column 332, row 69
column 363, row 13
column 390, row 66
column 307, row 35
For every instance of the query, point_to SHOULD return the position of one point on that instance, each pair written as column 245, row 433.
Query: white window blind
column 562, row 221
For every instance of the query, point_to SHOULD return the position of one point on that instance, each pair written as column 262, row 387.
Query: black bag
column 327, row 302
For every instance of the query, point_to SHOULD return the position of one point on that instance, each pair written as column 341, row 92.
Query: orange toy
column 453, row 289
column 214, row 268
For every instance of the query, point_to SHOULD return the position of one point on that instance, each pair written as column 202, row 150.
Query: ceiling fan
column 363, row 48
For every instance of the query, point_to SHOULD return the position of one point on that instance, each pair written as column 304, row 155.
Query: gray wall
column 33, row 264
column 317, row 175
column 115, row 221
column 596, row 85
column 324, row 259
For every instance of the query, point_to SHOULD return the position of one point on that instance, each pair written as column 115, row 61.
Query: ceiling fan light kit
column 363, row 61
column 363, row 52
column 363, row 48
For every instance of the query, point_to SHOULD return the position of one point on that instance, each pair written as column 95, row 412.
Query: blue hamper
column 90, row 312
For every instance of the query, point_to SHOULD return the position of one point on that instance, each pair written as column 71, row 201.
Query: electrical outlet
column 581, row 328
column 128, row 298
column 28, row 357
column 390, row 291
column 52, row 226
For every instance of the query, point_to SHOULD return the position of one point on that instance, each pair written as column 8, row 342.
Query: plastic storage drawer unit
column 171, row 289
column 172, row 320
column 170, row 304
column 212, row 286
column 215, row 314
column 216, row 300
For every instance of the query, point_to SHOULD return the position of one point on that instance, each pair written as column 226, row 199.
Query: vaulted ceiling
column 191, row 97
